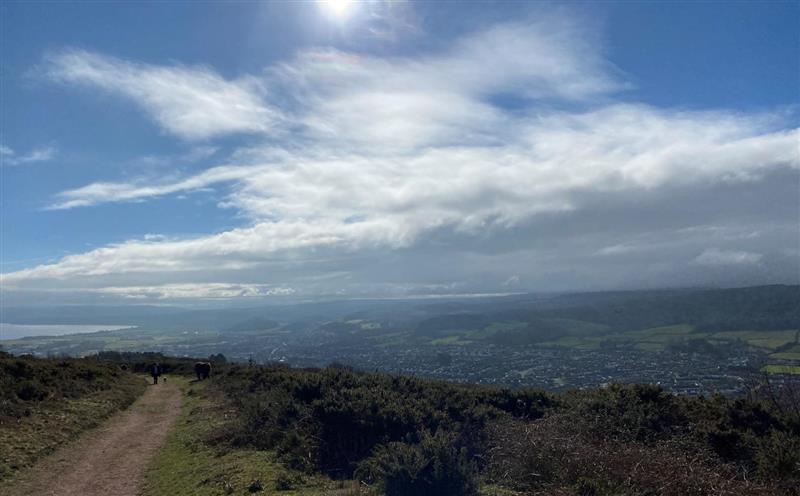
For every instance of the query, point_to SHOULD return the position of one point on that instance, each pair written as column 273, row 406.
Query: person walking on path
column 155, row 371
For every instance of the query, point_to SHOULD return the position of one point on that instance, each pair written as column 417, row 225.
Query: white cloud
column 621, row 249
column 388, row 152
column 197, row 290
column 238, row 249
column 9, row 157
column 717, row 257
column 511, row 281
column 154, row 237
column 194, row 155
column 95, row 193
column 544, row 165
column 189, row 102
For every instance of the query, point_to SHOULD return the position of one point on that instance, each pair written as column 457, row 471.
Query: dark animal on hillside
column 203, row 370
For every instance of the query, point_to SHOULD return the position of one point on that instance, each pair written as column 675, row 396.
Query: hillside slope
column 335, row 431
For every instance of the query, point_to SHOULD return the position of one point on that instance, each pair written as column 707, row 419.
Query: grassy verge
column 49, row 424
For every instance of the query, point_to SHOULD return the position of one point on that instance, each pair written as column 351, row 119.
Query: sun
column 339, row 9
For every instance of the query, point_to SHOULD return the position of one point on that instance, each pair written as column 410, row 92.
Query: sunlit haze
column 337, row 8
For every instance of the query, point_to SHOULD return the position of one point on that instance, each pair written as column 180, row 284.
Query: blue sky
column 178, row 150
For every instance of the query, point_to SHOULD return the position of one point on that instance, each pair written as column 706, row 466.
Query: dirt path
column 111, row 459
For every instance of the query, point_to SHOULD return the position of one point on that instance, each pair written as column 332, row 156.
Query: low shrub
column 287, row 481
column 417, row 436
column 31, row 390
column 27, row 381
column 562, row 451
column 433, row 467
column 332, row 419
column 778, row 457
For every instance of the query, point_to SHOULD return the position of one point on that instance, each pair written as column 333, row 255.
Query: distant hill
column 754, row 308
column 523, row 322
column 523, row 318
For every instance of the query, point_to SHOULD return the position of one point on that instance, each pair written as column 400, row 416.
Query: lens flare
column 337, row 8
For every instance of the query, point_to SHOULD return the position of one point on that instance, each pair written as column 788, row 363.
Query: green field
column 126, row 340
column 477, row 335
column 767, row 340
column 781, row 369
column 659, row 338
column 786, row 355
column 452, row 339
column 584, row 335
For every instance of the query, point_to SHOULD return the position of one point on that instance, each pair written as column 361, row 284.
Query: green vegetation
column 781, row 369
column 432, row 467
column 762, row 317
column 47, row 402
column 208, row 454
column 760, row 308
column 788, row 352
column 787, row 355
column 196, row 462
column 448, row 340
column 406, row 436
column 767, row 340
column 336, row 431
column 128, row 340
column 661, row 338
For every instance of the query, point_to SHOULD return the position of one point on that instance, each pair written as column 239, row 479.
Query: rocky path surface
column 111, row 459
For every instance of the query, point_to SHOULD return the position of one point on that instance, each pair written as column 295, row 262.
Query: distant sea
column 17, row 331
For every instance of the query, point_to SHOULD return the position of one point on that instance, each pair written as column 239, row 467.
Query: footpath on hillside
column 111, row 459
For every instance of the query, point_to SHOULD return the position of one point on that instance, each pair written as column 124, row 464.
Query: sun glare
column 337, row 8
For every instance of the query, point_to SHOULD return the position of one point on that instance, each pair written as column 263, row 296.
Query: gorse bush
column 330, row 420
column 31, row 390
column 778, row 455
column 632, row 439
column 432, row 467
column 409, row 436
column 631, row 413
column 558, row 452
column 25, row 381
